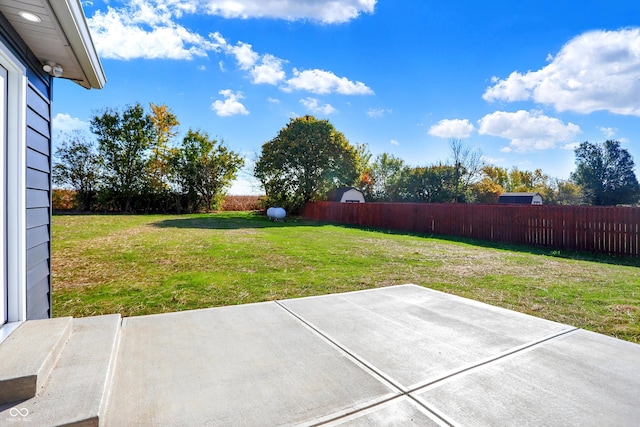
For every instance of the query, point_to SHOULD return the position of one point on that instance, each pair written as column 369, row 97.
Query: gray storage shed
column 520, row 198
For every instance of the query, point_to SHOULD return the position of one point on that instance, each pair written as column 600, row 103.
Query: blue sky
column 523, row 81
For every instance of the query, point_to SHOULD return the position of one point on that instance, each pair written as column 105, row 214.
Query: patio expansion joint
column 409, row 391
column 342, row 349
column 491, row 360
column 365, row 365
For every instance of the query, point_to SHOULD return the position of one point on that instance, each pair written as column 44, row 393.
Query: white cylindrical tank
column 276, row 213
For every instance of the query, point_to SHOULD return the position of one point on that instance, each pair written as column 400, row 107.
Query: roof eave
column 72, row 20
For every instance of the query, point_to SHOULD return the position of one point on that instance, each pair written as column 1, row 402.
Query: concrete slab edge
column 30, row 378
column 74, row 394
column 477, row 303
column 55, row 354
column 108, row 385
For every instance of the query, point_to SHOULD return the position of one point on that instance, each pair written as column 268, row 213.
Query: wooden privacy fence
column 610, row 230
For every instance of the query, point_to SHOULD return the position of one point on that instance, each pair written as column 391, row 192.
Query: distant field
column 137, row 265
column 64, row 200
column 242, row 203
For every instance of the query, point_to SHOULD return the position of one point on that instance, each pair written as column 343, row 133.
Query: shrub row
column 65, row 200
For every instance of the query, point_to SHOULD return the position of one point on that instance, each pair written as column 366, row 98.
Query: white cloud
column 608, row 132
column 269, row 71
column 570, row 146
column 323, row 82
column 528, row 131
column 325, row 11
column 598, row 70
column 493, row 160
column 273, row 100
column 454, row 128
column 244, row 54
column 313, row 105
column 144, row 30
column 394, row 142
column 148, row 29
column 263, row 69
column 63, row 123
column 231, row 106
column 378, row 113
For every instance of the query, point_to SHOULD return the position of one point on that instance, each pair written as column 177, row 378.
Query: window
column 4, row 290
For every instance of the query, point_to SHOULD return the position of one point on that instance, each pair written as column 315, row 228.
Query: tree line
column 309, row 157
column 135, row 165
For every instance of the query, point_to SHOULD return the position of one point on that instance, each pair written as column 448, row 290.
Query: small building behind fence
column 520, row 199
column 345, row 195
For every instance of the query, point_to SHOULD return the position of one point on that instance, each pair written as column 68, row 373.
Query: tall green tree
column 605, row 174
column 205, row 169
column 77, row 165
column 431, row 184
column 389, row 178
column 123, row 142
column 306, row 159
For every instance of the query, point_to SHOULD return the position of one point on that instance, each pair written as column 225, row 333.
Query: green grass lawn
column 137, row 265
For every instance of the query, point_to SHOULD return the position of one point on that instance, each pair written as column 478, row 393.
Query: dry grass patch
column 150, row 264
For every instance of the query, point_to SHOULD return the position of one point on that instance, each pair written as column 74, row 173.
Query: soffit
column 62, row 37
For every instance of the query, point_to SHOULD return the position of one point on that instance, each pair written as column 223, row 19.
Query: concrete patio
column 403, row 355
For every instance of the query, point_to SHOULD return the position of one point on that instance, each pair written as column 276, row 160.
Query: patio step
column 77, row 389
column 28, row 355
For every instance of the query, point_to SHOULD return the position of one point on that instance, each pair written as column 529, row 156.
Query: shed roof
column 519, row 194
column 61, row 36
column 337, row 193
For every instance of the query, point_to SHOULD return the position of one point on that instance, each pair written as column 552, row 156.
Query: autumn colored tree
column 567, row 193
column 496, row 175
column 486, row 191
column 305, row 160
column 496, row 180
column 365, row 181
column 158, row 168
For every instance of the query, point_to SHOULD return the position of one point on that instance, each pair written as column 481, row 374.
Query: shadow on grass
column 511, row 247
column 231, row 221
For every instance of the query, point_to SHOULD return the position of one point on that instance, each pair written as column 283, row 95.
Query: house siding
column 38, row 215
column 38, row 176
